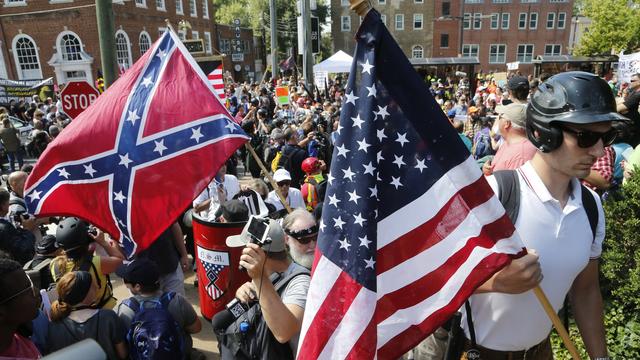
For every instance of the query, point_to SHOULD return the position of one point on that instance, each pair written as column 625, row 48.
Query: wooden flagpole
column 362, row 7
column 268, row 175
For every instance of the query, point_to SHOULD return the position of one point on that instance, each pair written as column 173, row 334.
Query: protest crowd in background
column 295, row 140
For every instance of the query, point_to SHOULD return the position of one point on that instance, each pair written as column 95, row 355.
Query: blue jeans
column 13, row 156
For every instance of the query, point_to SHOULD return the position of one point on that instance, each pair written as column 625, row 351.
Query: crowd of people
column 566, row 157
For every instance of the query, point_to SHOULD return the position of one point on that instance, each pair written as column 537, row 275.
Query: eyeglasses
column 587, row 138
column 304, row 236
column 633, row 81
column 19, row 293
column 283, row 183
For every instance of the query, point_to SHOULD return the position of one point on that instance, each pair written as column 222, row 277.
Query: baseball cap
column 47, row 245
column 233, row 211
column 472, row 109
column 281, row 175
column 451, row 113
column 518, row 82
column 276, row 235
column 516, row 113
column 141, row 271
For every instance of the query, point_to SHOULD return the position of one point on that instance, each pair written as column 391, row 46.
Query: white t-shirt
column 294, row 199
column 231, row 187
column 565, row 244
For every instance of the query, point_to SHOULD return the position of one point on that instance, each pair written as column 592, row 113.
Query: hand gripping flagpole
column 362, row 7
column 268, row 175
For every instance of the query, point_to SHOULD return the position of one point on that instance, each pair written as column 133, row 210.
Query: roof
column 547, row 59
column 465, row 60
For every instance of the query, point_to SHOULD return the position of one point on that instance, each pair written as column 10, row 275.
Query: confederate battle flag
column 133, row 161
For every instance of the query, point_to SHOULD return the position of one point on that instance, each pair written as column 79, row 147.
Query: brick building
column 244, row 62
column 496, row 31
column 409, row 21
column 59, row 38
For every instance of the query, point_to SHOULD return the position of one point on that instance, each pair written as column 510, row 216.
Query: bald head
column 16, row 181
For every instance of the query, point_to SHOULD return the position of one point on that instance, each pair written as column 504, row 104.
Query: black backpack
column 257, row 342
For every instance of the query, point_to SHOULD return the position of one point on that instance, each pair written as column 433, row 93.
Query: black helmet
column 574, row 97
column 72, row 233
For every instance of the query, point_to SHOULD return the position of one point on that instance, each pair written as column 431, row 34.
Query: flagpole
column 362, row 7
column 268, row 175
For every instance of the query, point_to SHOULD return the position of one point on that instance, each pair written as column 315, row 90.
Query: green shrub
column 619, row 277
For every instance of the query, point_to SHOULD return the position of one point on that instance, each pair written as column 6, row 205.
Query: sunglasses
column 283, row 183
column 587, row 138
column 23, row 291
column 304, row 236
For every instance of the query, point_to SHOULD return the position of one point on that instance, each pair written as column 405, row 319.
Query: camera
column 20, row 216
column 91, row 230
column 258, row 231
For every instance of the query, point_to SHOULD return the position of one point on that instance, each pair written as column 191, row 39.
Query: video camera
column 258, row 231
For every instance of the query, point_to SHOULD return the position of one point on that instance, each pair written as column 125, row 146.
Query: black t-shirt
column 631, row 102
column 163, row 252
column 296, row 156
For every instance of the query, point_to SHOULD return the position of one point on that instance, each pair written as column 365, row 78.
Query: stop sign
column 77, row 96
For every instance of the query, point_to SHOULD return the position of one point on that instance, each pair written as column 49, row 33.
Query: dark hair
column 288, row 134
column 7, row 266
column 520, row 94
column 149, row 288
column 544, row 76
column 4, row 196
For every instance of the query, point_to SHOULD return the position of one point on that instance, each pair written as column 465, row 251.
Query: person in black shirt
column 292, row 157
column 629, row 108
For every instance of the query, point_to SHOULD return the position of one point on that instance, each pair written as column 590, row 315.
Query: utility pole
column 274, row 40
column 106, row 36
column 307, row 52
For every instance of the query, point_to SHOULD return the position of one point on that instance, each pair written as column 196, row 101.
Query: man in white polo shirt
column 569, row 121
column 292, row 195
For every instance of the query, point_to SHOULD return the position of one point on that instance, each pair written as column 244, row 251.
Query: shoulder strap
column 166, row 298
column 590, row 207
column 132, row 303
column 281, row 283
column 509, row 192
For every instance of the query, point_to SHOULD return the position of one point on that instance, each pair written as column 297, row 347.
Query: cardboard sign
column 282, row 95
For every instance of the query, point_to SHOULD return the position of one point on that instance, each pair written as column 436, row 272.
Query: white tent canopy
column 338, row 63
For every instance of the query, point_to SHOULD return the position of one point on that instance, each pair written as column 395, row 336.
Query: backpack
column 154, row 333
column 256, row 342
column 482, row 147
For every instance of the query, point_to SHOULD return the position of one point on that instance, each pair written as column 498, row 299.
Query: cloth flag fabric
column 216, row 80
column 410, row 227
column 133, row 161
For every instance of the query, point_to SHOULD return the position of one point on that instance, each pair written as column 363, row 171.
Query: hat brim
column 236, row 241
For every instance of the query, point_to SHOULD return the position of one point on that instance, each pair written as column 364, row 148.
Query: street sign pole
column 274, row 40
column 106, row 36
column 307, row 54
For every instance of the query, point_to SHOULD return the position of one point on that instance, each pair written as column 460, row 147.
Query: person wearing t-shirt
column 292, row 196
column 223, row 187
column 629, row 107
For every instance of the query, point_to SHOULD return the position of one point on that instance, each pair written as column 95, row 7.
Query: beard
column 303, row 259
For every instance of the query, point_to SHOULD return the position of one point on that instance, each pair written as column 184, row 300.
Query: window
column 162, row 30
column 123, row 49
column 383, row 18
column 417, row 52
column 551, row 20
column 70, row 47
column 558, row 1
column 497, row 53
column 552, row 49
column 466, row 21
column 417, row 21
column 205, row 9
column 225, row 45
column 141, row 3
column 505, row 21
column 381, row 2
column 182, row 35
column 529, row 1
column 494, row 21
column 15, row 3
column 345, row 23
column 470, row 50
column 522, row 21
column 399, row 21
column 195, row 34
column 446, row 8
column 207, row 42
column 418, row 1
column 501, row 1
column 473, row 1
column 246, row 47
column 26, row 56
column 477, row 21
column 193, row 10
column 145, row 42
column 533, row 20
column 444, row 40
column 525, row 53
column 179, row 9
column 562, row 20
column 160, row 5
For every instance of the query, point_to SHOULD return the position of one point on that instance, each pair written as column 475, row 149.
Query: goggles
column 304, row 236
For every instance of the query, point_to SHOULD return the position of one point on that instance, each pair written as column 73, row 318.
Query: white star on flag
column 369, row 168
column 196, row 134
column 370, row 263
column 362, row 145
column 132, row 116
column 380, row 134
column 146, row 82
column 35, row 195
column 402, row 139
column 359, row 219
column 337, row 222
column 88, row 169
column 342, row 150
column 353, row 196
column 372, row 90
column 344, row 244
column 124, row 160
column 351, row 98
column 333, row 200
column 420, row 165
column 395, row 181
column 63, row 173
column 366, row 67
column 348, row 174
column 374, row 191
column 382, row 112
column 364, row 241
column 118, row 196
column 357, row 121
column 398, row 161
column 159, row 147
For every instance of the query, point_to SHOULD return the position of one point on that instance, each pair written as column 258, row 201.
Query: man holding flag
column 411, row 229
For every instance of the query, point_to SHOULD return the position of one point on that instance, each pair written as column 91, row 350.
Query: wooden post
column 268, row 175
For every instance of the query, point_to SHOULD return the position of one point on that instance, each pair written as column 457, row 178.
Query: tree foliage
column 615, row 26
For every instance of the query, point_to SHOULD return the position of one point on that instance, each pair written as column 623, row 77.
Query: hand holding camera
column 26, row 221
column 253, row 259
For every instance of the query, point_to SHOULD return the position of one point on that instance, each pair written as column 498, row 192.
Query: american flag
column 216, row 80
column 134, row 160
column 410, row 227
column 213, row 274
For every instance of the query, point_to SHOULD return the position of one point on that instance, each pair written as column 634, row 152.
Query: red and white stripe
column 216, row 80
column 432, row 255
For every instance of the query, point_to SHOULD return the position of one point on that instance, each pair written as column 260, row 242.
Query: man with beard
column 301, row 236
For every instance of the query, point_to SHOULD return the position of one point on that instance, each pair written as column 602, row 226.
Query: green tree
column 615, row 26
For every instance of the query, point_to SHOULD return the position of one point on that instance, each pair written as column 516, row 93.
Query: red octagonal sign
column 77, row 96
